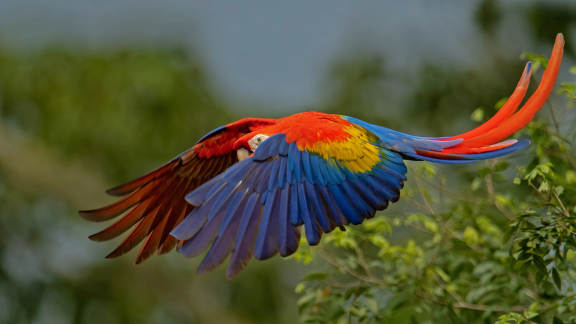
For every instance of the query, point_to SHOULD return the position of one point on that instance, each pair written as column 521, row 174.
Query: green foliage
column 569, row 89
column 501, row 251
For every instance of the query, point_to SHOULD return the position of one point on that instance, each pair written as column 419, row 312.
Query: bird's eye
column 255, row 141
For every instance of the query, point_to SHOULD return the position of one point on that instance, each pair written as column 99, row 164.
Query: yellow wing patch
column 356, row 153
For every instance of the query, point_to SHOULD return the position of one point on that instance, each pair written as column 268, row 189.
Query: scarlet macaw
column 247, row 188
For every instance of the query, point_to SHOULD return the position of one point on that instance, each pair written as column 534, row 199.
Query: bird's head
column 246, row 145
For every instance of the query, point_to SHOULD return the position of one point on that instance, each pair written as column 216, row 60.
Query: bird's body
column 248, row 188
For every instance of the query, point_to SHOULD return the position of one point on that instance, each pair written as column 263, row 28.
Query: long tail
column 484, row 142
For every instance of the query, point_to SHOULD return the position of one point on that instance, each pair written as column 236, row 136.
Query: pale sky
column 264, row 51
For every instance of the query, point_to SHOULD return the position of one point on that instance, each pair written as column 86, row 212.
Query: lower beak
column 242, row 154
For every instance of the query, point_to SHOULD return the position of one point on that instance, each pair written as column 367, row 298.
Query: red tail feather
column 506, row 122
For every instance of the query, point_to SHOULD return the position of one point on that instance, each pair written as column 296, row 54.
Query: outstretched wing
column 257, row 207
column 154, row 204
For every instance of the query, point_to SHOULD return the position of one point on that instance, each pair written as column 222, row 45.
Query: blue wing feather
column 334, row 211
column 318, row 207
column 288, row 235
column 267, row 240
column 267, row 172
column 366, row 192
column 348, row 209
column 317, row 169
column 306, row 213
column 243, row 244
column 381, row 188
column 280, row 180
column 356, row 200
column 295, row 218
column 321, row 167
column 306, row 166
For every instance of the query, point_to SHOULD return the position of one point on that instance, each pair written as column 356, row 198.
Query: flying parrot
column 247, row 189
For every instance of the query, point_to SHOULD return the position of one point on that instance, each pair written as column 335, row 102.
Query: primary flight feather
column 247, row 189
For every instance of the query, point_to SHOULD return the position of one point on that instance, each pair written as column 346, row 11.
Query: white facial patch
column 255, row 141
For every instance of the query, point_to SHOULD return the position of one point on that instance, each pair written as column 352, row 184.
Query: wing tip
column 234, row 270
column 97, row 237
column 142, row 257
column 118, row 252
column 114, row 254
column 203, row 270
column 94, row 215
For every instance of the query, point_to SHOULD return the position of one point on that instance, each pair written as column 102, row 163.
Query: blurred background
column 95, row 93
